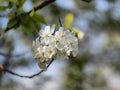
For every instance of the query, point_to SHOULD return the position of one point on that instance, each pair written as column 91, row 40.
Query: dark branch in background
column 2, row 67
column 42, row 5
column 13, row 73
column 87, row 0
column 19, row 55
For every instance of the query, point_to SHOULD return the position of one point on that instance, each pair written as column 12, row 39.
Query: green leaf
column 10, row 0
column 68, row 20
column 32, row 12
column 78, row 32
column 27, row 28
column 37, row 25
column 19, row 3
column 27, row 25
column 38, row 18
column 12, row 22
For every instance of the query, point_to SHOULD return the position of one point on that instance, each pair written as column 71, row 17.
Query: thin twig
column 7, row 29
column 60, row 22
column 42, row 5
column 25, row 76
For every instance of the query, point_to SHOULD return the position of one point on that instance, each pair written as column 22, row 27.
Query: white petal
column 47, row 28
column 52, row 29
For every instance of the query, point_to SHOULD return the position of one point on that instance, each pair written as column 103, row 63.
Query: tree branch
column 7, row 29
column 23, row 76
column 42, row 5
column 60, row 22
column 19, row 55
column 87, row 0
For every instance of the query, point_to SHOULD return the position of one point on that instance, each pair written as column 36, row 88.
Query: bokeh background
column 97, row 66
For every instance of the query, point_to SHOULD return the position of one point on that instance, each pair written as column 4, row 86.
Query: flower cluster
column 54, row 44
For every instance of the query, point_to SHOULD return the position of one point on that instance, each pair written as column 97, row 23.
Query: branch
column 60, row 22
column 23, row 76
column 87, row 0
column 42, row 5
column 19, row 55
column 7, row 29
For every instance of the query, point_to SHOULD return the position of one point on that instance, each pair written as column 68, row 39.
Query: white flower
column 66, row 41
column 54, row 45
column 60, row 38
column 48, row 31
column 72, row 43
column 39, row 54
column 49, row 51
column 46, row 35
column 61, row 56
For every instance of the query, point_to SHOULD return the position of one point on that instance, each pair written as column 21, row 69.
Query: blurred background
column 97, row 66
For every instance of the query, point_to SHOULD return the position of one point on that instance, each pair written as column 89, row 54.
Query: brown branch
column 23, row 76
column 42, row 5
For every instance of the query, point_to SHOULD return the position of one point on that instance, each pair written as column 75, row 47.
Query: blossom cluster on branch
column 54, row 43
